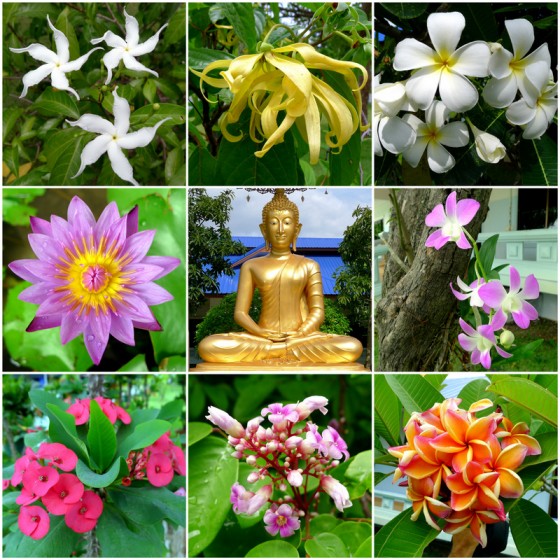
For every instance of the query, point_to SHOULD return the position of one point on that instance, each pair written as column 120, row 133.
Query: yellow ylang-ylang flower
column 270, row 82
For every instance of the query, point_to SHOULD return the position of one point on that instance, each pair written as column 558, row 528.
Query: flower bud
column 295, row 478
column 336, row 491
column 156, row 106
column 282, row 487
column 488, row 147
column 224, row 421
column 272, row 446
column 253, row 477
column 506, row 338
column 308, row 405
column 293, row 442
column 253, row 425
column 251, row 460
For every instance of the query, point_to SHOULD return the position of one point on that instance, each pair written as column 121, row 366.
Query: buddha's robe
column 292, row 301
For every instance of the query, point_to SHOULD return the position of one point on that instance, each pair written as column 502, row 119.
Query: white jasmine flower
column 127, row 49
column 114, row 137
column 57, row 64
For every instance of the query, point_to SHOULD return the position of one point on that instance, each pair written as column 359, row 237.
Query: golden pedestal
column 303, row 367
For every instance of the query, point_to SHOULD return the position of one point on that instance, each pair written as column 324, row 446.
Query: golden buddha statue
column 292, row 312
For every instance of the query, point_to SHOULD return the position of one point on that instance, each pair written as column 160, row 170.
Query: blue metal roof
column 251, row 241
column 328, row 264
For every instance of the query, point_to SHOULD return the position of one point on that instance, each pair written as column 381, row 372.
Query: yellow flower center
column 281, row 521
column 94, row 276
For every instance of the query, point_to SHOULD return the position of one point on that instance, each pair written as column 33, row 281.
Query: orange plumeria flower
column 423, row 494
column 518, row 434
column 477, row 520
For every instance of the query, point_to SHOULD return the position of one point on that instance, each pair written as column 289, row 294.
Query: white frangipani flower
column 488, row 147
column 114, row 137
column 434, row 134
column 509, row 70
column 535, row 118
column 445, row 67
column 389, row 131
column 57, row 64
column 127, row 49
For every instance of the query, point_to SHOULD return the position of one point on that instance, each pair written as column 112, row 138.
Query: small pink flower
column 336, row 446
column 336, row 491
column 80, row 411
column 281, row 520
column 308, row 405
column 159, row 469
column 82, row 516
column 294, row 478
column 67, row 491
column 39, row 480
column 161, row 444
column 26, row 497
column 123, row 415
column 20, row 467
column 278, row 413
column 178, row 460
column 245, row 501
column 314, row 438
column 59, row 455
column 34, row 521
column 224, row 421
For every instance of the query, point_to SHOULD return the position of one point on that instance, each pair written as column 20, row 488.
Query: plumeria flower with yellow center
column 93, row 277
column 444, row 68
column 504, row 462
column 113, row 137
column 423, row 495
column 535, row 118
column 475, row 520
column 509, row 71
column 128, row 49
column 57, row 64
column 270, row 82
column 518, row 434
column 433, row 135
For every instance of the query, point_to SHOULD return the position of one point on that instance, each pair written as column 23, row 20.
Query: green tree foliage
column 210, row 242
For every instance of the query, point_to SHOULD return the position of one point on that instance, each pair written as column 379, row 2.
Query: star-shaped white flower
column 57, row 63
column 114, row 137
column 127, row 49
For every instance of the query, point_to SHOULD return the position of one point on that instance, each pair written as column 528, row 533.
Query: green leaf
column 173, row 363
column 55, row 103
column 40, row 398
column 365, row 549
column 548, row 381
column 32, row 10
column 121, row 538
column 175, row 159
column 172, row 410
column 488, row 251
column 148, row 116
column 539, row 401
column 406, row 11
column 380, row 477
column 273, row 549
column 200, row 58
column 534, row 532
column 212, row 472
column 326, row 545
column 59, row 542
column 436, row 379
column 63, row 151
column 198, row 431
column 403, row 538
column 415, row 393
column 138, row 363
column 119, row 469
column 241, row 17
column 63, row 24
column 475, row 391
column 480, row 21
column 539, row 162
column 148, row 505
column 149, row 90
column 177, row 27
column 202, row 168
column 549, row 449
column 9, row 119
column 387, row 411
column 359, row 470
column 353, row 534
column 252, row 395
column 143, row 435
column 62, row 429
column 323, row 523
column 101, row 438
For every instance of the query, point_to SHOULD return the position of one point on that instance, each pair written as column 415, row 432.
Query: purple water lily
column 93, row 278
column 494, row 294
column 451, row 221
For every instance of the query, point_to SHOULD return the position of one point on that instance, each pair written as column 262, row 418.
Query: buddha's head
column 280, row 222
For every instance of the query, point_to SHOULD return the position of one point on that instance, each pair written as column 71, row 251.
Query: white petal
column 141, row 137
column 445, row 31
column 60, row 81
column 455, row 135
column 537, row 127
column 417, row 125
column 542, row 54
column 457, row 92
column 500, row 93
column 537, row 74
column 79, row 62
column 93, row 151
column 38, row 52
column 499, row 63
column 389, row 98
column 93, row 123
column 436, row 114
column 34, row 77
column 396, row 135
column 111, row 60
column 472, row 59
column 549, row 106
column 439, row 159
column 421, row 87
column 522, row 36
column 120, row 164
column 62, row 44
column 520, row 113
column 132, row 33
column 149, row 45
column 414, row 153
column 411, row 54
column 121, row 111
column 132, row 64
column 111, row 39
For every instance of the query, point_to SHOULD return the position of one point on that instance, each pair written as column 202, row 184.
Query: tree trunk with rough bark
column 416, row 318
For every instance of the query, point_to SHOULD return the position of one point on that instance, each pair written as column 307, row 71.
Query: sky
column 322, row 215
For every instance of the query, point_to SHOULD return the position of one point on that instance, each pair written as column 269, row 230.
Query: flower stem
column 477, row 255
column 277, row 25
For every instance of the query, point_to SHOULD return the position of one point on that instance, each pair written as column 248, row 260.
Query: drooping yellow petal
column 278, row 136
column 214, row 82
column 313, row 126
column 511, row 485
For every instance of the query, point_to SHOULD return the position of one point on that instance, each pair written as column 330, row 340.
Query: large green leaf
column 273, row 549
column 365, row 549
column 539, row 162
column 241, row 17
column 55, row 103
column 535, row 533
column 406, row 11
column 531, row 477
column 199, row 58
column 358, row 473
column 149, row 505
column 475, row 391
column 488, row 251
column 415, row 393
column 148, row 116
column 101, row 438
column 353, row 534
column 536, row 399
column 177, row 27
column 403, row 538
column 202, row 168
column 198, row 431
column 212, row 472
column 62, row 429
column 95, row 480
column 143, row 435
column 388, row 411
column 59, row 542
column 120, row 538
column 326, row 545
column 40, row 398
column 63, row 151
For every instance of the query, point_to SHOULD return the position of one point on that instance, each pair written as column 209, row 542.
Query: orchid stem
column 477, row 254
